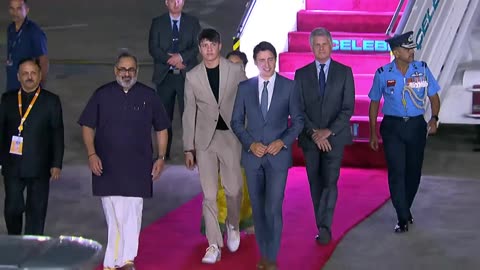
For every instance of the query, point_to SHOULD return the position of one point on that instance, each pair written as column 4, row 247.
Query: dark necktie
column 264, row 100
column 175, row 36
column 321, row 80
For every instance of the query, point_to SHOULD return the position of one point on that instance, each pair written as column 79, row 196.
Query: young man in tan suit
column 208, row 141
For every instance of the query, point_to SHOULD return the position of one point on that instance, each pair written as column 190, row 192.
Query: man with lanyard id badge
column 25, row 40
column 16, row 146
column 31, row 149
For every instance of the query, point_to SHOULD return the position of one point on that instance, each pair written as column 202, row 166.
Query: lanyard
column 16, row 41
column 24, row 117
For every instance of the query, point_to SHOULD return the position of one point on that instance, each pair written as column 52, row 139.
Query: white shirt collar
column 271, row 81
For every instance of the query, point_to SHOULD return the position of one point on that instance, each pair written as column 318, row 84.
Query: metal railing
column 406, row 13
column 246, row 15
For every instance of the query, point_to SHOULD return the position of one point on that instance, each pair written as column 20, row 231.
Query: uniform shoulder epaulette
column 424, row 64
column 380, row 70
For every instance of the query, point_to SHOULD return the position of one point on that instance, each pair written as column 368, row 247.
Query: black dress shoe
column 324, row 236
column 410, row 220
column 401, row 228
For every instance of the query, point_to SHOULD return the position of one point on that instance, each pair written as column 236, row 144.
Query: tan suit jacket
column 202, row 110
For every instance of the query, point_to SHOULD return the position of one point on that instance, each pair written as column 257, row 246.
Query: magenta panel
column 363, row 82
column 358, row 5
column 344, row 21
column 342, row 42
column 361, row 63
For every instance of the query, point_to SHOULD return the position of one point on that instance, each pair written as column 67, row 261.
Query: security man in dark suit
column 31, row 149
column 405, row 85
column 174, row 47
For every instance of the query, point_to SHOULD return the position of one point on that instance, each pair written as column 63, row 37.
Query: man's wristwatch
column 435, row 117
column 161, row 157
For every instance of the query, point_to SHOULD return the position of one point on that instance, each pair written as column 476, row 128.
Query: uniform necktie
column 175, row 37
column 321, row 80
column 264, row 100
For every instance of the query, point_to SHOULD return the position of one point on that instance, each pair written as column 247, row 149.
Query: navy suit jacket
column 333, row 111
column 160, row 42
column 250, row 126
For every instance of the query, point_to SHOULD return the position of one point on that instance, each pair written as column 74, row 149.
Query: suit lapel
column 206, row 85
column 168, row 26
column 182, row 30
column 224, row 73
column 329, row 88
column 254, row 94
column 314, row 80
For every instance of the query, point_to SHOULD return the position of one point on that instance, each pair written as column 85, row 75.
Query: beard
column 126, row 82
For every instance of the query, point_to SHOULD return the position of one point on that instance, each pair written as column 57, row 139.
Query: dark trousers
column 323, row 170
column 172, row 87
column 35, row 207
column 404, row 144
column 266, row 187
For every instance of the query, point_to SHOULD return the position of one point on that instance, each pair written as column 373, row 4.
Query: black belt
column 174, row 71
column 403, row 118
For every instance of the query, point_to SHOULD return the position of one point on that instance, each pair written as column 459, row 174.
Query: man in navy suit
column 260, row 120
column 173, row 45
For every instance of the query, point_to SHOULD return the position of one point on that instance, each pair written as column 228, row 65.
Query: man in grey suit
column 173, row 45
column 328, row 96
column 260, row 121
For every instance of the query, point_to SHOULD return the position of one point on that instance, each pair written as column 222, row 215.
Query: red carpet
column 174, row 242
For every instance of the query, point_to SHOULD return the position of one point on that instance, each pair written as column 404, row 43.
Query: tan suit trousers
column 221, row 155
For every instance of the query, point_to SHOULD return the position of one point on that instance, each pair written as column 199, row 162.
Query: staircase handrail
column 389, row 31
column 246, row 15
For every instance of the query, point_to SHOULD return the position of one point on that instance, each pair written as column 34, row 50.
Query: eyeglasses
column 123, row 70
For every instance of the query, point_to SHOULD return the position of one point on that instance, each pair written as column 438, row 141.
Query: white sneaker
column 233, row 238
column 212, row 255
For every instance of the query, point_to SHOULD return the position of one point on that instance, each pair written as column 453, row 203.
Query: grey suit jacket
column 160, row 41
column 336, row 108
column 250, row 126
column 202, row 110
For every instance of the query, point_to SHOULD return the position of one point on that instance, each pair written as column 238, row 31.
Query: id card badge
column 17, row 145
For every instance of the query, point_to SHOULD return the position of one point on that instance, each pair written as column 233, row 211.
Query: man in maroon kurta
column 116, row 128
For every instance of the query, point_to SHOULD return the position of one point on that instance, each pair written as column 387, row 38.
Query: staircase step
column 363, row 82
column 344, row 21
column 343, row 42
column 357, row 155
column 360, row 127
column 360, row 155
column 364, row 5
column 362, row 106
column 361, row 63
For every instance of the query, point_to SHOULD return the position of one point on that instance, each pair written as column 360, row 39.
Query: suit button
column 215, row 120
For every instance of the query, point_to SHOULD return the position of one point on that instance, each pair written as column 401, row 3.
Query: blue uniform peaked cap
column 404, row 40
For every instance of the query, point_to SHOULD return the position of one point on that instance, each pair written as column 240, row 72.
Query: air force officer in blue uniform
column 405, row 85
